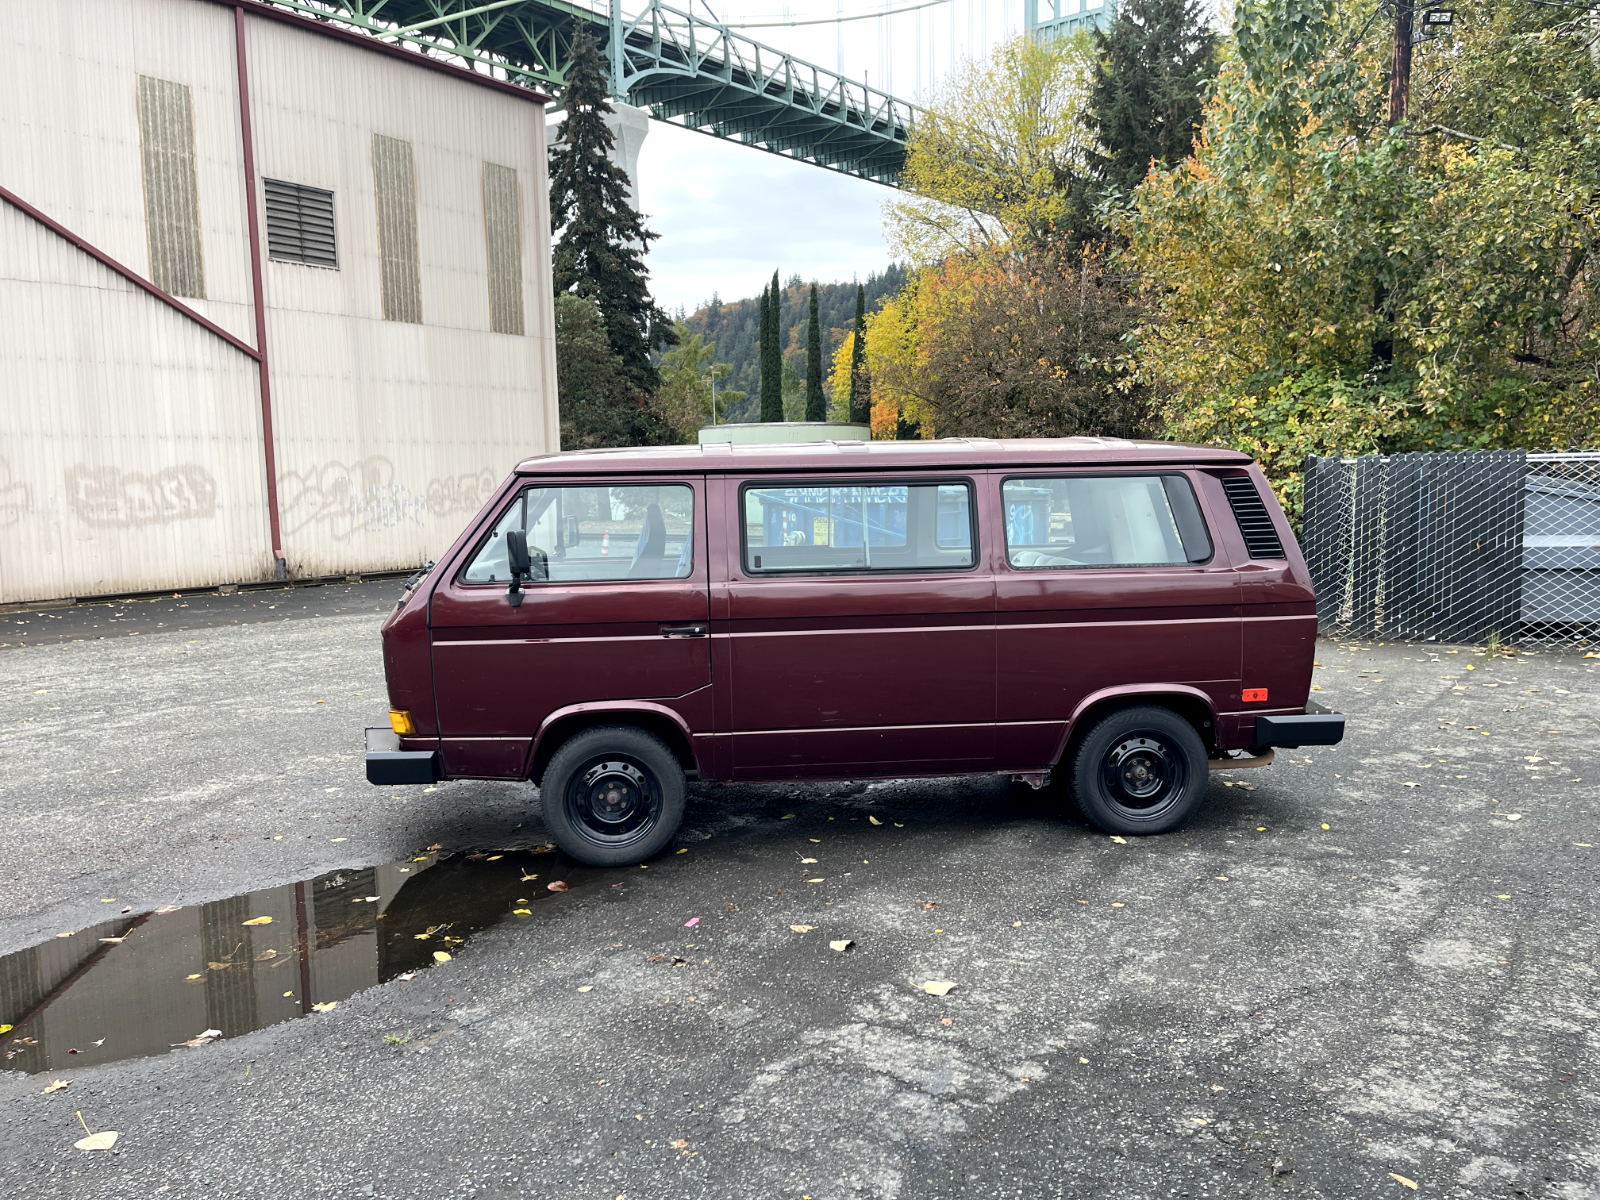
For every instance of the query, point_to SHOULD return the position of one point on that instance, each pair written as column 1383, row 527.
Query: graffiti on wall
column 111, row 498
column 345, row 499
column 15, row 498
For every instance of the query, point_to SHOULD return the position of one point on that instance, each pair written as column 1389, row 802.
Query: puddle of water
column 175, row 974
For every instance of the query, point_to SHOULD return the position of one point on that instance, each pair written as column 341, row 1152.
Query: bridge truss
column 681, row 68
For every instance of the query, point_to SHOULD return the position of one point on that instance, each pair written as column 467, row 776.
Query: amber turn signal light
column 400, row 720
column 1251, row 696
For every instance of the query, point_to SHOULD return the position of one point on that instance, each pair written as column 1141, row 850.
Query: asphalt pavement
column 1363, row 971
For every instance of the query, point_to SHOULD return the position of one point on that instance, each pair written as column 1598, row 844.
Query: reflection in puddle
column 145, row 982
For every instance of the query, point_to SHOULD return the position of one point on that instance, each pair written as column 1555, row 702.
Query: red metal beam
column 138, row 281
column 268, row 448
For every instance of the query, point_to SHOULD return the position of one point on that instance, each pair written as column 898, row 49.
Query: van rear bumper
column 388, row 765
column 1317, row 726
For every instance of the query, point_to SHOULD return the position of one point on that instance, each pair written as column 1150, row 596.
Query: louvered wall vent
column 300, row 224
column 1255, row 522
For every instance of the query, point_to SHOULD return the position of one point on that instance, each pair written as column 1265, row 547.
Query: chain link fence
column 1456, row 547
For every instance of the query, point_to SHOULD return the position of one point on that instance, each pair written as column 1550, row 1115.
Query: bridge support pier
column 628, row 126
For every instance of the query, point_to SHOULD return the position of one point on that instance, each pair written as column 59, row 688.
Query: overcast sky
column 728, row 214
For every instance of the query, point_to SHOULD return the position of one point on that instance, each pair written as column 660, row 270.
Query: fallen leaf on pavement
column 802, row 928
column 97, row 1141
column 440, row 956
column 1121, row 841
column 938, row 987
column 786, row 816
column 1408, row 785
column 679, row 1144
column 841, row 947
column 587, row 988
column 494, row 858
column 556, row 885
column 202, row 1039
column 1200, row 1120
column 167, row 908
column 259, row 921
column 1401, row 1179
column 57, row 1086
column 684, row 850
column 875, row 820
column 523, row 912
column 1224, row 878
column 804, row 861
column 1325, row 825
column 408, row 975
column 112, row 941
column 819, row 880
column 265, row 955
column 187, row 978
column 66, row 933
column 1084, row 1061
column 437, row 846
column 325, row 1006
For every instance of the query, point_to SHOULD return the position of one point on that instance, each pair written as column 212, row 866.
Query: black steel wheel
column 613, row 795
column 1139, row 770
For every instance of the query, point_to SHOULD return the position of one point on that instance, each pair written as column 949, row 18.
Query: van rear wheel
column 613, row 795
column 1139, row 770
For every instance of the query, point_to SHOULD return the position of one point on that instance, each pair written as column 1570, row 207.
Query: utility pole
column 1400, row 69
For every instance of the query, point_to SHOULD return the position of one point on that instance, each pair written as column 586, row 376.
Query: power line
column 831, row 20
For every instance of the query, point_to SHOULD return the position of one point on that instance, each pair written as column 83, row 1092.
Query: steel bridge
column 681, row 68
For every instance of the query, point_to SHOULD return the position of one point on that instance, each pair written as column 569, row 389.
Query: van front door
column 859, row 628
column 615, row 609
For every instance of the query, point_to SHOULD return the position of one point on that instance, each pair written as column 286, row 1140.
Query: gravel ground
column 1353, row 972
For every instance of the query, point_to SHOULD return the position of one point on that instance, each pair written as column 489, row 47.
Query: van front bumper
column 388, row 765
column 1317, row 726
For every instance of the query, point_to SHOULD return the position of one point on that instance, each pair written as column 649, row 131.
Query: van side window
column 858, row 527
column 592, row 534
column 1103, row 521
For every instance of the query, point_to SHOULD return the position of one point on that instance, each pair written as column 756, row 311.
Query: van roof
column 877, row 456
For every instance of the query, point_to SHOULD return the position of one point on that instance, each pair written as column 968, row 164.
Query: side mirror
column 521, row 565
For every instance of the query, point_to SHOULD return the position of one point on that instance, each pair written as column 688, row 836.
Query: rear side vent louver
column 1255, row 522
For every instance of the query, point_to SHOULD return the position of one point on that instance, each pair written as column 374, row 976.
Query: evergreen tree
column 1151, row 74
column 816, row 402
column 772, row 356
column 600, row 240
column 860, row 381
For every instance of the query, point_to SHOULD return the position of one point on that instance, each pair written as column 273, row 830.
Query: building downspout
column 268, row 451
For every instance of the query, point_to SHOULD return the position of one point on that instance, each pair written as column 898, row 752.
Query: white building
column 379, row 225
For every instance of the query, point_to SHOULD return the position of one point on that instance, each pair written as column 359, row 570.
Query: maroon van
column 1125, row 616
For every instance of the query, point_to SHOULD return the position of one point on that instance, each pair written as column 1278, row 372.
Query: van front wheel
column 613, row 795
column 1139, row 770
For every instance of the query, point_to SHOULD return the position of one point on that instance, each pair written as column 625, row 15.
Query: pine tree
column 860, row 381
column 772, row 356
column 816, row 402
column 600, row 240
column 1151, row 73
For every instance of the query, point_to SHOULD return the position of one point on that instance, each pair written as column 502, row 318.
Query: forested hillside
column 734, row 327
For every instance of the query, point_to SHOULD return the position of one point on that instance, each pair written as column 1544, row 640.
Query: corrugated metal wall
column 130, row 451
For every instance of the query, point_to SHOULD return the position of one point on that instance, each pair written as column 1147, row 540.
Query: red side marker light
column 1254, row 695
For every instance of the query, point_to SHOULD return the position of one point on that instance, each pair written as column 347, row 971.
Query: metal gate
column 1456, row 546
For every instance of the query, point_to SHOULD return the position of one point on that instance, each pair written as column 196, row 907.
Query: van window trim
column 1100, row 473
column 529, row 482
column 835, row 479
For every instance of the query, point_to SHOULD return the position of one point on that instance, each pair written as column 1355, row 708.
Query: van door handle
column 684, row 631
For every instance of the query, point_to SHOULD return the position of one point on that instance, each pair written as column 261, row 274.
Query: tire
column 1139, row 770
column 613, row 795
